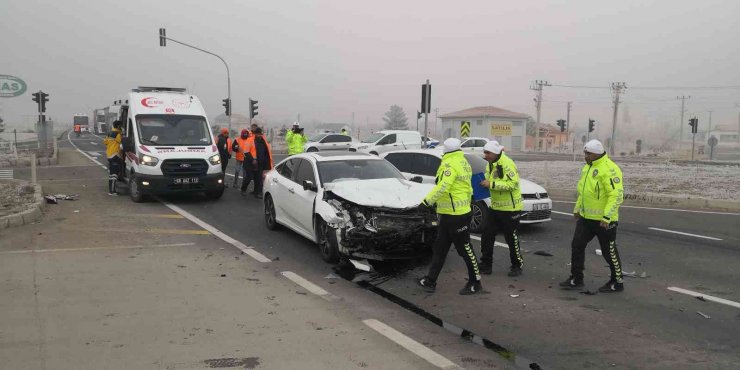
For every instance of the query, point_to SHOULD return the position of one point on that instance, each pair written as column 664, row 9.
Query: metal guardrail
column 6, row 174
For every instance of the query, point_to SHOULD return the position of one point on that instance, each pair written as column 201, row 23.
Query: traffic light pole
column 693, row 141
column 228, row 74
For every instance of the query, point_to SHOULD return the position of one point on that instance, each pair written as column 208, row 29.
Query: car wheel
column 312, row 149
column 134, row 190
column 352, row 149
column 479, row 218
column 374, row 153
column 270, row 219
column 327, row 238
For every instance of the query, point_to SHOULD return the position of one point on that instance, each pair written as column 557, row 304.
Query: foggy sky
column 327, row 59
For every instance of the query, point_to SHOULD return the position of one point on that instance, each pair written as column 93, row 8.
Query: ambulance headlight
column 215, row 159
column 148, row 160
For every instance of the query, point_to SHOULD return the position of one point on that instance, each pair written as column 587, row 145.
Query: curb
column 28, row 216
column 658, row 200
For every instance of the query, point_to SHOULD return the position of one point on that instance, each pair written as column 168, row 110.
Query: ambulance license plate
column 187, row 180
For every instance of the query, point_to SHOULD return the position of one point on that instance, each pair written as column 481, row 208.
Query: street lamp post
column 163, row 42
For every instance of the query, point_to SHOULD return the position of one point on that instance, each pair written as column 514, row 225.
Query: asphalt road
column 647, row 326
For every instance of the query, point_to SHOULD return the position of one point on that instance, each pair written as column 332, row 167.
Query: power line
column 730, row 87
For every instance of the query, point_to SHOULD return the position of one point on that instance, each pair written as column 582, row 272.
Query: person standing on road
column 452, row 195
column 344, row 132
column 502, row 179
column 600, row 193
column 224, row 148
column 295, row 139
column 113, row 152
column 240, row 148
column 260, row 156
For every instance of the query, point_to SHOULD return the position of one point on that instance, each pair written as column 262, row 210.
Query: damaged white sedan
column 352, row 205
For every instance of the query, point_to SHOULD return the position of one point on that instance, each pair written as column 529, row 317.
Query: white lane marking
column 562, row 213
column 97, row 248
column 664, row 209
column 682, row 233
column 311, row 287
column 411, row 345
column 93, row 143
column 83, row 153
column 498, row 244
column 239, row 245
column 94, row 154
column 707, row 297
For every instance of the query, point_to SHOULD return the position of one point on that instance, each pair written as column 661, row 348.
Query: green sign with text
column 11, row 86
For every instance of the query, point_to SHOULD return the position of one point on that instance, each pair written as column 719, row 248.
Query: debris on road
column 223, row 275
column 513, row 295
column 588, row 292
column 543, row 253
column 701, row 298
column 643, row 275
column 630, row 274
column 50, row 199
column 331, row 276
column 703, row 315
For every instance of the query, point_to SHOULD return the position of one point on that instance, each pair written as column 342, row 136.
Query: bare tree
column 395, row 119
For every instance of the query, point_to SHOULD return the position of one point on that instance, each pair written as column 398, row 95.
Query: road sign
column 11, row 86
column 464, row 128
column 500, row 129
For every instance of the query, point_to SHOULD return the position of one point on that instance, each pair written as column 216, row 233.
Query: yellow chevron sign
column 464, row 128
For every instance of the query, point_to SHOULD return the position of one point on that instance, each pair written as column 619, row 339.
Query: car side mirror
column 127, row 144
column 309, row 185
column 418, row 179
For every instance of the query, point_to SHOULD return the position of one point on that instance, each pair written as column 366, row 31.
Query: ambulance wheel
column 134, row 189
column 312, row 149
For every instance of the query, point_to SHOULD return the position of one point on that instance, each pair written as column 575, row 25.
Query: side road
column 105, row 283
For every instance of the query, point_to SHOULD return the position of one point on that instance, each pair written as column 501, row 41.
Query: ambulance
column 168, row 144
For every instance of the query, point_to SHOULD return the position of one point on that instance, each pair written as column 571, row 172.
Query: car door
column 280, row 183
column 344, row 142
column 302, row 201
column 403, row 162
column 387, row 144
column 426, row 165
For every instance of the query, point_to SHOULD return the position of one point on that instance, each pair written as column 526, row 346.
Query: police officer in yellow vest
column 600, row 193
column 295, row 138
column 502, row 178
column 452, row 195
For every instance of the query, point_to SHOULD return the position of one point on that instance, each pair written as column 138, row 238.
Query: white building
column 507, row 127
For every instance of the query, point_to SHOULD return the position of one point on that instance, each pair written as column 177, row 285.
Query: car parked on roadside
column 328, row 141
column 425, row 162
column 390, row 140
column 353, row 205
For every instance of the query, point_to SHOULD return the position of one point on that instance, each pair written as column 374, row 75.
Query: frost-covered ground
column 666, row 179
column 14, row 198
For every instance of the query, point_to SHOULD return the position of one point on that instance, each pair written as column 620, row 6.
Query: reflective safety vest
column 113, row 143
column 244, row 147
column 504, row 178
column 600, row 191
column 453, row 191
column 253, row 151
column 295, row 142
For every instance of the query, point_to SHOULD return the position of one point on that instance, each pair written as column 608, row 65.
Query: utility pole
column 738, row 124
column 436, row 115
column 567, row 123
column 680, row 124
column 537, row 86
column 617, row 88
column 426, row 107
column 709, row 129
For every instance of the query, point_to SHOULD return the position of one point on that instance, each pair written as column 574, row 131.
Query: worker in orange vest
column 223, row 143
column 240, row 147
column 260, row 156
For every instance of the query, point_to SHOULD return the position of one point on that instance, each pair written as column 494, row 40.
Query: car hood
column 389, row 193
column 528, row 187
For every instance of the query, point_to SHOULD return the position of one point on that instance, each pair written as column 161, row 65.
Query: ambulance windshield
column 167, row 129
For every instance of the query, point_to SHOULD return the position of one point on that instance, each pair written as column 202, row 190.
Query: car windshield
column 168, row 129
column 317, row 137
column 373, row 138
column 477, row 163
column 357, row 169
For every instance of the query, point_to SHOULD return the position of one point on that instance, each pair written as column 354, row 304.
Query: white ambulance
column 168, row 144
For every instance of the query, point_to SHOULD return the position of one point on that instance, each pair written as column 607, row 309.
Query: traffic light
column 591, row 124
column 44, row 99
column 253, row 108
column 36, row 97
column 227, row 106
column 694, row 123
column 418, row 115
column 561, row 123
column 162, row 37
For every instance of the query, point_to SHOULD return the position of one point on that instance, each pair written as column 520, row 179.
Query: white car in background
column 390, row 140
column 353, row 205
column 473, row 144
column 425, row 162
column 327, row 141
